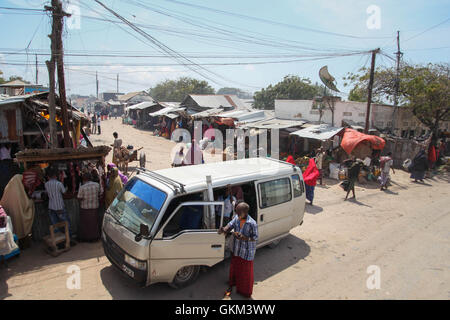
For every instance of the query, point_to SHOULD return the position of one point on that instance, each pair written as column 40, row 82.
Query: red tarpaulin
column 352, row 138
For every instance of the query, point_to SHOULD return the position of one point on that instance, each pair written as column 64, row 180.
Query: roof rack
column 283, row 162
column 178, row 187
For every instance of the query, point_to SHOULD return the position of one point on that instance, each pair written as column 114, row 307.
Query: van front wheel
column 185, row 276
column 274, row 244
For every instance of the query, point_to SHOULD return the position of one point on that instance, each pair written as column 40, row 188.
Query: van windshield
column 137, row 203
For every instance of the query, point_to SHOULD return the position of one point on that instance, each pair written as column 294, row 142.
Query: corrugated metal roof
column 17, row 83
column 207, row 113
column 130, row 95
column 142, row 105
column 114, row 103
column 275, row 123
column 165, row 111
column 170, row 104
column 211, row 100
column 172, row 115
column 318, row 132
column 242, row 115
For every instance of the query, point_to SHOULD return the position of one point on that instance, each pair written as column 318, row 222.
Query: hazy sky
column 249, row 34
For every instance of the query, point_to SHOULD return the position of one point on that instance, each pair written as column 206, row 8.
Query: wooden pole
column 397, row 83
column 369, row 97
column 51, row 73
column 59, row 14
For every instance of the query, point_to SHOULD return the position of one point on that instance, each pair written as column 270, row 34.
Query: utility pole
column 51, row 73
column 369, row 97
column 117, row 83
column 397, row 82
column 96, row 83
column 37, row 77
column 57, row 54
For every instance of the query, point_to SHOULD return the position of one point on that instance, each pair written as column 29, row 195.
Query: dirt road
column 405, row 232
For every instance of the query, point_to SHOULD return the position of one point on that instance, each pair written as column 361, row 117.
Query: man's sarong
column 241, row 275
column 89, row 229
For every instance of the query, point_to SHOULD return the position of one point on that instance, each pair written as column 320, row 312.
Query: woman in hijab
column 419, row 166
column 290, row 159
column 310, row 177
column 114, row 187
column 123, row 177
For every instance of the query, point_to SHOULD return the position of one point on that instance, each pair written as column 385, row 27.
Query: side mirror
column 143, row 232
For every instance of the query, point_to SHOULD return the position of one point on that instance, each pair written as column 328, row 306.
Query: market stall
column 70, row 163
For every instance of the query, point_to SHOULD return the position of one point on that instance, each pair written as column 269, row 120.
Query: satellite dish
column 327, row 79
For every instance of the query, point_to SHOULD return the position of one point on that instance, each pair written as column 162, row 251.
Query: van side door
column 182, row 241
column 298, row 187
column 274, row 207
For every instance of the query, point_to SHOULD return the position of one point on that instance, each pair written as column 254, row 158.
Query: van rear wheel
column 185, row 276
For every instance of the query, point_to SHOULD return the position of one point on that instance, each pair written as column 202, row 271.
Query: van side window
column 298, row 186
column 274, row 192
column 187, row 218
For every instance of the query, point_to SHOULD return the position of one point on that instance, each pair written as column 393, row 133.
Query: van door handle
column 216, row 246
column 261, row 217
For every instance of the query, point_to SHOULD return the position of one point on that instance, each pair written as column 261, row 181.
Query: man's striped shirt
column 55, row 190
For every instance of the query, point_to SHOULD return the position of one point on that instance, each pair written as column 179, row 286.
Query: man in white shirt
column 55, row 190
column 229, row 204
column 5, row 152
column 319, row 162
column 99, row 131
column 386, row 164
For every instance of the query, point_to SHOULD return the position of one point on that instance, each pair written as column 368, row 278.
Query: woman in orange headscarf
column 310, row 177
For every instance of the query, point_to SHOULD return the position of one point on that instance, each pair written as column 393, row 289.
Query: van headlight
column 141, row 265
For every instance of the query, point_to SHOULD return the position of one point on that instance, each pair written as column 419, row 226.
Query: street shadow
column 422, row 183
column 390, row 192
column 398, row 185
column 212, row 282
column 313, row 209
column 353, row 200
column 36, row 258
column 327, row 182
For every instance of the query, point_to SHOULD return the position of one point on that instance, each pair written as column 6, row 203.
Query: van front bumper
column 117, row 258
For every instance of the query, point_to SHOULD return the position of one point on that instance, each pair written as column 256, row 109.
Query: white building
column 354, row 114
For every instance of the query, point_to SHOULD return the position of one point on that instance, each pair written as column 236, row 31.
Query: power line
column 428, row 29
column 246, row 17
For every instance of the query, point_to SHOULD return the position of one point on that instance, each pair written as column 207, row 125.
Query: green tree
column 235, row 91
column 176, row 90
column 12, row 78
column 2, row 80
column 427, row 92
column 292, row 87
column 422, row 88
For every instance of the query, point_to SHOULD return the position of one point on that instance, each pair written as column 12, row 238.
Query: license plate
column 128, row 271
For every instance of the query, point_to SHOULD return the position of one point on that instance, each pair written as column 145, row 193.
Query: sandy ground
column 404, row 231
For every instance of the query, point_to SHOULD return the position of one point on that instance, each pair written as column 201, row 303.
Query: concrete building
column 18, row 88
column 351, row 113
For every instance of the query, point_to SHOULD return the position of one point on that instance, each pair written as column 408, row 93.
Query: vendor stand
column 72, row 162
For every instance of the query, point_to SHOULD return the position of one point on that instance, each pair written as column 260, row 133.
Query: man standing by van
column 245, row 238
